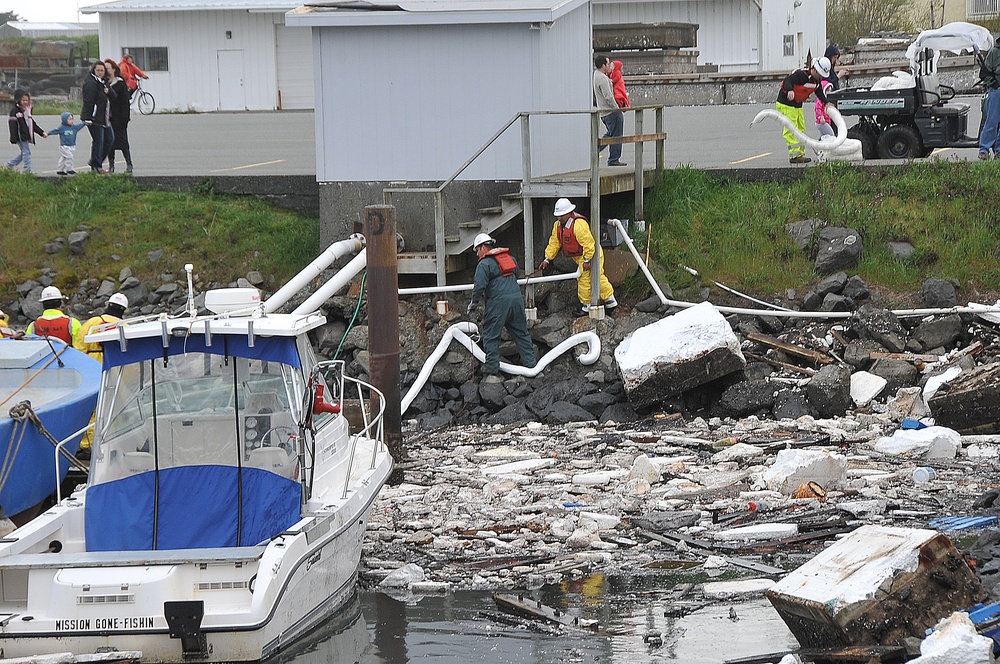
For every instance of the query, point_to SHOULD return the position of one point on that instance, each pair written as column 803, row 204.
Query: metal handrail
column 369, row 424
column 58, row 452
column 439, row 221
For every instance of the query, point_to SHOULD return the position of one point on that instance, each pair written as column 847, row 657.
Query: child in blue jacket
column 22, row 130
column 67, row 132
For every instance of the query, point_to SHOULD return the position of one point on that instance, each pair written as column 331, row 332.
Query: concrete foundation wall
column 342, row 204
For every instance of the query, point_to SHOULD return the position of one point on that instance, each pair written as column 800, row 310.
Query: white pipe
column 351, row 245
column 785, row 313
column 336, row 282
column 460, row 332
column 468, row 287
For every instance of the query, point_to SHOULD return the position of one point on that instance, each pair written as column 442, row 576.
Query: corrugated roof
column 413, row 12
column 35, row 25
column 191, row 6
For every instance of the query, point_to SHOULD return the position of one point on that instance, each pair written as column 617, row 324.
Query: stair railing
column 526, row 178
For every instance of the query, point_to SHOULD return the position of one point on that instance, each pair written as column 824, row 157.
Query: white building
column 735, row 35
column 212, row 55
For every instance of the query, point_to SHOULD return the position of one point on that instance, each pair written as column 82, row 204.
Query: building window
column 788, row 44
column 981, row 8
column 148, row 58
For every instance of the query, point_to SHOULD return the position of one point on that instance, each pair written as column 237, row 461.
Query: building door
column 231, row 94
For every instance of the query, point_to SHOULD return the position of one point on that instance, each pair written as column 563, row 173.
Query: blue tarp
column 191, row 507
column 270, row 349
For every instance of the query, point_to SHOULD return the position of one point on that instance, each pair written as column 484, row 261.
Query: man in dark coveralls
column 496, row 283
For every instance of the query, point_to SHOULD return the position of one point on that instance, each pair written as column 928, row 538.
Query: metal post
column 441, row 260
column 528, row 209
column 659, row 143
column 638, row 168
column 383, row 321
column 595, row 213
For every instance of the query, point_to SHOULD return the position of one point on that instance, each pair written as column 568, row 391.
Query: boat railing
column 60, row 451
column 373, row 421
column 371, row 409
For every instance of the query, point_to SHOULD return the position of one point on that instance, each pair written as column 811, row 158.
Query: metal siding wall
column 192, row 40
column 728, row 30
column 415, row 102
column 808, row 19
column 565, row 63
column 294, row 66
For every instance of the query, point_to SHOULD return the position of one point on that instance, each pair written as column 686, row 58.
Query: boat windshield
column 182, row 439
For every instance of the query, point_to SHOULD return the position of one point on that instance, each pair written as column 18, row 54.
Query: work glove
column 472, row 307
column 586, row 266
column 544, row 264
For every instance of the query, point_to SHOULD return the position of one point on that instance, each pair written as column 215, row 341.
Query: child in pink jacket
column 823, row 122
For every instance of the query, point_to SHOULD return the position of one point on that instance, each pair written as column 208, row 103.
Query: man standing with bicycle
column 130, row 71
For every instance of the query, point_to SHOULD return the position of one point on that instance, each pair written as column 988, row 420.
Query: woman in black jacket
column 120, row 115
column 23, row 130
column 96, row 114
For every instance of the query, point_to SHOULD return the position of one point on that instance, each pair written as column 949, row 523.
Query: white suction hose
column 351, row 245
column 460, row 332
column 336, row 282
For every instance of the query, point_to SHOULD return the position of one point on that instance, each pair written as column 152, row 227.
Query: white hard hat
column 50, row 293
column 822, row 67
column 563, row 206
column 119, row 299
column 482, row 238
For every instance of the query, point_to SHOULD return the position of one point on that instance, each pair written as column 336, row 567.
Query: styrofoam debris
column 517, row 467
column 794, row 467
column 403, row 577
column 599, row 478
column 505, row 452
column 758, row 531
column 722, row 589
column 602, row 521
column 865, row 387
column 929, row 443
column 737, row 452
column 643, row 469
column 982, row 451
column 955, row 639
column 934, row 383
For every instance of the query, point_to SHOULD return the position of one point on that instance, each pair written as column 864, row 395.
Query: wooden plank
column 781, row 365
column 791, row 349
column 865, row 654
column 639, row 138
column 525, row 606
column 906, row 357
column 751, row 565
column 971, row 349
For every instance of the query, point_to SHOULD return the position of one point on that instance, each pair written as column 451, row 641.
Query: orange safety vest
column 567, row 238
column 508, row 265
column 54, row 327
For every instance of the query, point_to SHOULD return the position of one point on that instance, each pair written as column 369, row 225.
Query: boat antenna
column 192, row 310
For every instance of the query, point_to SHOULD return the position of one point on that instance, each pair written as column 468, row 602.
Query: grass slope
column 223, row 237
column 735, row 233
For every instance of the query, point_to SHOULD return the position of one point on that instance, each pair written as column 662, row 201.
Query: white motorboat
column 231, row 480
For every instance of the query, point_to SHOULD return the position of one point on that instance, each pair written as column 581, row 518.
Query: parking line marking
column 237, row 168
column 758, row 156
column 940, row 150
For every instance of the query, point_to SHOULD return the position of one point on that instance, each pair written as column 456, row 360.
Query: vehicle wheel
column 146, row 103
column 900, row 142
column 869, row 141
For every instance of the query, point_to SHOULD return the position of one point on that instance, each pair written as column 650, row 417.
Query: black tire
column 146, row 103
column 869, row 141
column 900, row 142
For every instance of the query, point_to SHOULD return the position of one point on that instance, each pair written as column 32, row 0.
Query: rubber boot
column 128, row 160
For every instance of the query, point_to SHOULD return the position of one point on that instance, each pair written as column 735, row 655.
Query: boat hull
column 257, row 600
column 62, row 397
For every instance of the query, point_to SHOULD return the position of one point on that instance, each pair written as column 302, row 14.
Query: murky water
column 468, row 627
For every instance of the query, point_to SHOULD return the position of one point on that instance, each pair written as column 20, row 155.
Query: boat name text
column 85, row 624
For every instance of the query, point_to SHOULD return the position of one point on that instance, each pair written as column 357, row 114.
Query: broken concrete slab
column 794, row 467
column 970, row 402
column 677, row 353
column 875, row 587
column 929, row 443
column 758, row 532
column 727, row 589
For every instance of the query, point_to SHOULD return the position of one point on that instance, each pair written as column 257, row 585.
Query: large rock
column 678, row 353
column 839, row 249
column 882, row 326
column 829, row 390
column 897, row 373
column 937, row 332
column 748, row 397
column 939, row 294
column 805, row 234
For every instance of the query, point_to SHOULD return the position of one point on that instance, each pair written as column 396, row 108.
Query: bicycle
column 143, row 100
